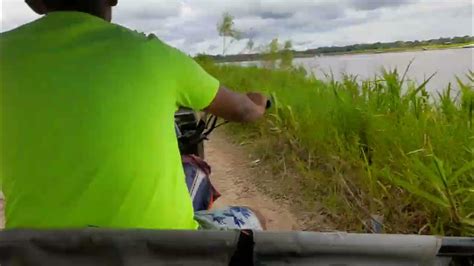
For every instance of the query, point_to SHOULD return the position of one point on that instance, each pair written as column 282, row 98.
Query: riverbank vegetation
column 439, row 43
column 259, row 53
column 383, row 150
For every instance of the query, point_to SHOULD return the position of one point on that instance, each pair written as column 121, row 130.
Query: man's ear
column 37, row 6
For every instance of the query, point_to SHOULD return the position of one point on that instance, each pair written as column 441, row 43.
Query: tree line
column 281, row 54
column 388, row 45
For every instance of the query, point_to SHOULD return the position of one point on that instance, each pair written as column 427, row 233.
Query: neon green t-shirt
column 86, row 126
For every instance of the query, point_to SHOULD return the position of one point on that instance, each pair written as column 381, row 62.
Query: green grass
column 366, row 148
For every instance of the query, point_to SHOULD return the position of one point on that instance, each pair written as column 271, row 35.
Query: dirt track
column 232, row 175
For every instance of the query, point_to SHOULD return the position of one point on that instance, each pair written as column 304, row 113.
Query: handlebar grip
column 269, row 104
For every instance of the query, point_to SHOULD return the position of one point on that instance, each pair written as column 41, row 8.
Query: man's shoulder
column 154, row 46
column 134, row 34
column 150, row 41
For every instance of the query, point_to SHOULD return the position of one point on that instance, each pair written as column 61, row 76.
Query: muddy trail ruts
column 232, row 175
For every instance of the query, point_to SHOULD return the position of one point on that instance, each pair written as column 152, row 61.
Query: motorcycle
column 192, row 129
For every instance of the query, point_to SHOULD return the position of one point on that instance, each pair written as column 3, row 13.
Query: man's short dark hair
column 88, row 6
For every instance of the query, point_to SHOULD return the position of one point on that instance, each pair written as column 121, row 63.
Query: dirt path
column 232, row 174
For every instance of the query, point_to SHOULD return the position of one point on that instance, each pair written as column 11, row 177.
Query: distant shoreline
column 402, row 50
column 298, row 54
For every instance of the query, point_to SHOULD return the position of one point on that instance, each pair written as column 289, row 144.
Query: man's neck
column 74, row 10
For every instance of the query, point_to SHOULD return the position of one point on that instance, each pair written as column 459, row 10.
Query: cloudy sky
column 191, row 24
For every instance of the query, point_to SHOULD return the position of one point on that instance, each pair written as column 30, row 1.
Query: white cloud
column 15, row 13
column 191, row 24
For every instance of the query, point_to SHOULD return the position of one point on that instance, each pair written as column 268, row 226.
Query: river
column 447, row 64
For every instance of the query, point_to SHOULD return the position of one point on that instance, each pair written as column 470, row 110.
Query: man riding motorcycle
column 87, row 136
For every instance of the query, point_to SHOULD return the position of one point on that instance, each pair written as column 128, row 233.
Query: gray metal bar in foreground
column 144, row 247
column 94, row 247
column 307, row 248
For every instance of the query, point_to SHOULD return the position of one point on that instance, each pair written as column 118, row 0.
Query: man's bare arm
column 238, row 107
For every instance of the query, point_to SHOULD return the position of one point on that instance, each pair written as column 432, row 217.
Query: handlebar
column 211, row 123
column 207, row 125
column 269, row 104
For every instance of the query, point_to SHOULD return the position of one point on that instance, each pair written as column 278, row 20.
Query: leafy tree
column 250, row 45
column 272, row 54
column 274, row 46
column 287, row 55
column 226, row 28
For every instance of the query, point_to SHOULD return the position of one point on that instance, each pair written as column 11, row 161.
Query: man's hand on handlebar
column 238, row 107
column 259, row 99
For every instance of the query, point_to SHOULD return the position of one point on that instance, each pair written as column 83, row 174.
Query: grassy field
column 353, row 150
